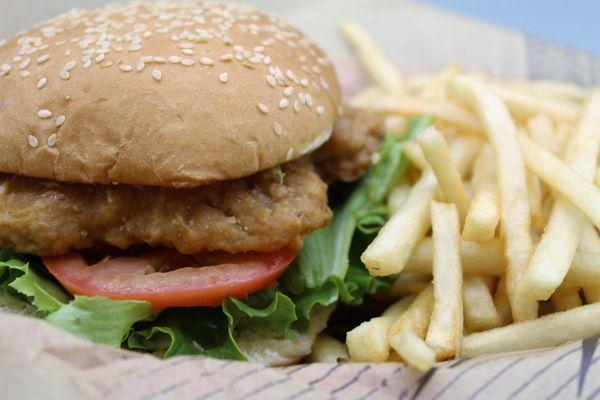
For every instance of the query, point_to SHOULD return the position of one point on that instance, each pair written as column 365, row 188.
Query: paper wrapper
column 39, row 361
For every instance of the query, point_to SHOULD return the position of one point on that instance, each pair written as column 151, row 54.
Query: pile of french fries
column 497, row 215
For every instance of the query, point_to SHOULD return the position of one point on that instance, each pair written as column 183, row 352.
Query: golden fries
column 438, row 156
column 483, row 215
column 446, row 326
column 555, row 252
column 381, row 70
column 327, row 350
column 522, row 105
column 480, row 311
column 536, row 178
column 443, row 110
column 391, row 249
column 514, row 203
column 566, row 297
column 547, row 331
column 368, row 342
column 556, row 174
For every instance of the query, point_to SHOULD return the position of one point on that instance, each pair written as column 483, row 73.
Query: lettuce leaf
column 100, row 319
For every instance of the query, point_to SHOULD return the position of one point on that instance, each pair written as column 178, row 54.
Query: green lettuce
column 327, row 270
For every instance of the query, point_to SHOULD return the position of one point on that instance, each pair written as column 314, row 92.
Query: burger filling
column 224, row 250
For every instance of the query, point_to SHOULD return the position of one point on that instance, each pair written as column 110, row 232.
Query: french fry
column 415, row 155
column 436, row 87
column 558, row 246
column 536, row 198
column 559, row 89
column 438, row 155
column 397, row 197
column 502, row 303
column 409, row 283
column 391, row 249
column 416, row 318
column 446, row 326
column 566, row 297
column 379, row 67
column 598, row 177
column 443, row 110
column 541, row 130
column 547, row 331
column 365, row 97
column 556, row 174
column 514, row 203
column 523, row 105
column 477, row 258
column 483, row 215
column 327, row 350
column 368, row 342
column 479, row 309
column 406, row 334
column 414, row 351
column 589, row 244
column 486, row 259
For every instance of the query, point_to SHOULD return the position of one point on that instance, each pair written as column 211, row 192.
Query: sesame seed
column 304, row 82
column 271, row 81
column 87, row 63
column 52, row 140
column 106, row 64
column 263, row 108
column 267, row 60
column 157, row 75
column 309, row 100
column 68, row 52
column 135, row 47
column 302, row 97
column 43, row 58
column 320, row 110
column 188, row 62
column 5, row 67
column 290, row 74
column 188, row 52
column 126, row 68
column 224, row 77
column 288, row 91
column 278, row 129
column 296, row 106
column 42, row 82
column 25, row 63
column 206, row 61
column 290, row 154
column 100, row 57
column 254, row 59
column 43, row 114
column 17, row 59
column 65, row 74
column 70, row 65
column 60, row 120
column 25, row 74
column 159, row 60
column 140, row 67
column 174, row 59
column 283, row 103
column 226, row 57
column 32, row 140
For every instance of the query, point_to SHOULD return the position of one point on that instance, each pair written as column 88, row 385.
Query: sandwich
column 164, row 172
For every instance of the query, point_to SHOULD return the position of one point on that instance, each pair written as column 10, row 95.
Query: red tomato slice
column 134, row 278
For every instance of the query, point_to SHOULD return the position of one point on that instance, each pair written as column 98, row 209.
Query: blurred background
column 512, row 38
column 572, row 23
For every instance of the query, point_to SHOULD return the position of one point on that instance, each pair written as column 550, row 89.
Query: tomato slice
column 180, row 285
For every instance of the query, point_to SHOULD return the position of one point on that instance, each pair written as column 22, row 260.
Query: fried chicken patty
column 264, row 212
column 258, row 213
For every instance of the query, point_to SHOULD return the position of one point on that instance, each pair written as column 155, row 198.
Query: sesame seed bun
column 164, row 94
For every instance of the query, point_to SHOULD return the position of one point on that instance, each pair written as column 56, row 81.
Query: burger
column 163, row 180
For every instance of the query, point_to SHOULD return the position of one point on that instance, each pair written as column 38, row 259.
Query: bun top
column 165, row 94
